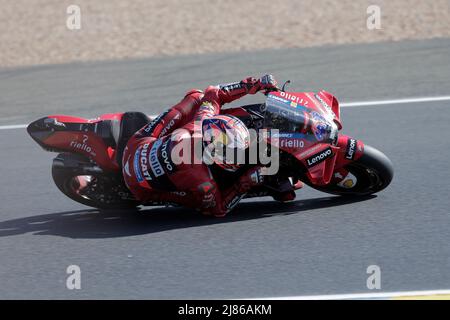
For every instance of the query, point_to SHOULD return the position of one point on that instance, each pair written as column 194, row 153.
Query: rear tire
column 106, row 191
column 374, row 172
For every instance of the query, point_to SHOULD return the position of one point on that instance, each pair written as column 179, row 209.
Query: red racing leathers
column 151, row 172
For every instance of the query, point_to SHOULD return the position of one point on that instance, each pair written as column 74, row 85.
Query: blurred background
column 35, row 32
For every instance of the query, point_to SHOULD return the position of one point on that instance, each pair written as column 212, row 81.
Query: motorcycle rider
column 152, row 175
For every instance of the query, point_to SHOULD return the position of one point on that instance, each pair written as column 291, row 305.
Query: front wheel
column 373, row 171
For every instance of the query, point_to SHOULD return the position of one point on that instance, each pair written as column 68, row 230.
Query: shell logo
column 348, row 183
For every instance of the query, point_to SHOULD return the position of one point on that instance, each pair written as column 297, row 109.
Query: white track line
column 379, row 295
column 396, row 101
column 16, row 126
column 343, row 104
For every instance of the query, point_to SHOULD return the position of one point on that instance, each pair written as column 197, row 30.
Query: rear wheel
column 373, row 172
column 83, row 181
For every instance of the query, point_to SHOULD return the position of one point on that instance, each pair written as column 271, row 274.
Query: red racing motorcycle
column 311, row 150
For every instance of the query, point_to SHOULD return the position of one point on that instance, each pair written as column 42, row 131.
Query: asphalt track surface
column 318, row 244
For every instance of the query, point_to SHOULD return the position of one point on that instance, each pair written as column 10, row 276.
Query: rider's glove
column 268, row 83
column 265, row 83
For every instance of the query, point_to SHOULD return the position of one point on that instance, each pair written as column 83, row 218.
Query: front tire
column 374, row 172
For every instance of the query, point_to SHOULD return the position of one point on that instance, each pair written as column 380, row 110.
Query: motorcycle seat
column 131, row 122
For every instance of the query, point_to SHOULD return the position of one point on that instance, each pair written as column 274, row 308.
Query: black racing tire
column 374, row 172
column 67, row 166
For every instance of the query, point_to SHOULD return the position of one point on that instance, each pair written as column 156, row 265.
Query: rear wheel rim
column 92, row 192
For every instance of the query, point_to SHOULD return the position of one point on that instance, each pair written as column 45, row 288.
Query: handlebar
column 277, row 88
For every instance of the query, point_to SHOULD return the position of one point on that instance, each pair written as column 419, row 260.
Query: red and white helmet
column 225, row 139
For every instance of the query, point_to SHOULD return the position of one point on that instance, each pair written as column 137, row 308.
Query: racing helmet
column 225, row 140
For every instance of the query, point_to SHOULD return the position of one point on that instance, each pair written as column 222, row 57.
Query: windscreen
column 290, row 117
column 281, row 115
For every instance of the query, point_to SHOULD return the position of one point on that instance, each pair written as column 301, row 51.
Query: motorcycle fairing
column 93, row 138
column 319, row 161
column 310, row 127
column 350, row 150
